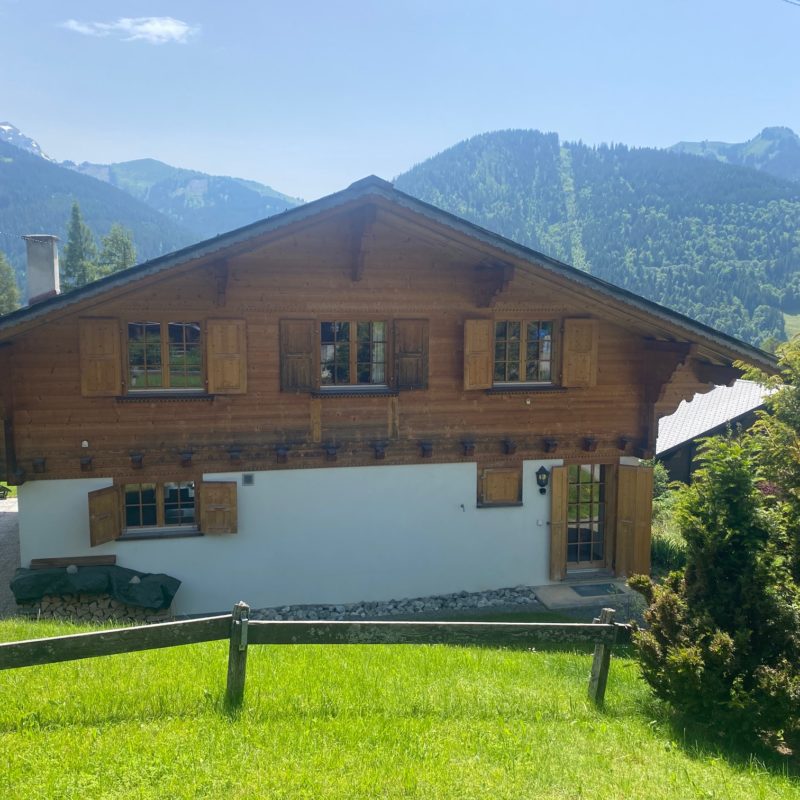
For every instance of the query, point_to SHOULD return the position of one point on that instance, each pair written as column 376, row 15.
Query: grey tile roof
column 707, row 411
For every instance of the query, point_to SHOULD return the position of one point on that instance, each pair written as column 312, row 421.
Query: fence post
column 237, row 655
column 602, row 657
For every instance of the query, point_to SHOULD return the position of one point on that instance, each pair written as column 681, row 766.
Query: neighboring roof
column 374, row 186
column 705, row 412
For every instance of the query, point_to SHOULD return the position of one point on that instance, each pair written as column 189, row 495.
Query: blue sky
column 310, row 95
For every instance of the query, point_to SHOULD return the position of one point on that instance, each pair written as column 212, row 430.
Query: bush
column 668, row 547
column 723, row 644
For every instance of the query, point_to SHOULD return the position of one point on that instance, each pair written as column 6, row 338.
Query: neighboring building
column 354, row 400
column 723, row 409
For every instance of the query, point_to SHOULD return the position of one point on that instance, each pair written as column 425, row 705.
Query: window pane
column 179, row 503
column 342, row 363
column 378, row 331
column 572, row 552
column 499, row 330
column 364, row 332
column 326, row 334
column 513, row 330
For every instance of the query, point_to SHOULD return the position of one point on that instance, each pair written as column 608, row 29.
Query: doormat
column 595, row 589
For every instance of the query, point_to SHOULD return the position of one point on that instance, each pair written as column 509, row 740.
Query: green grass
column 12, row 491
column 792, row 324
column 351, row 722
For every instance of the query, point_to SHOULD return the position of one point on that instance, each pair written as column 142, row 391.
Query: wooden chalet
column 362, row 398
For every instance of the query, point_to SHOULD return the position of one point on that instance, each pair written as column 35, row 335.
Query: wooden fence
column 242, row 632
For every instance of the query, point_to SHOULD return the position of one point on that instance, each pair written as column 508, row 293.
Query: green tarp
column 151, row 591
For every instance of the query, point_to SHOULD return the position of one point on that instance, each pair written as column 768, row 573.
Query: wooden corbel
column 361, row 232
column 492, row 278
column 718, row 374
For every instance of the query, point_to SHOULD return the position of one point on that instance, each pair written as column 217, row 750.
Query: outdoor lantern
column 542, row 478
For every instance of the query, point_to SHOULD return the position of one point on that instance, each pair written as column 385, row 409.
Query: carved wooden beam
column 662, row 361
column 360, row 231
column 492, row 279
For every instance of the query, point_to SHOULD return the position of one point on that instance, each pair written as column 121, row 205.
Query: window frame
column 555, row 372
column 355, row 387
column 165, row 388
column 161, row 528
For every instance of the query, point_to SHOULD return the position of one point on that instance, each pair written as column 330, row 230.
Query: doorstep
column 585, row 592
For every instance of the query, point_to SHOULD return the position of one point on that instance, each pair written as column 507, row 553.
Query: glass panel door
column 586, row 509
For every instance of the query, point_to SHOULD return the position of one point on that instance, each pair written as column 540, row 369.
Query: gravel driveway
column 9, row 554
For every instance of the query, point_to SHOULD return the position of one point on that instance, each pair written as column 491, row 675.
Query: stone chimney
column 43, row 279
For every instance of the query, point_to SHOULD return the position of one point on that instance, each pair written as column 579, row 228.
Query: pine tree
column 80, row 254
column 9, row 293
column 118, row 251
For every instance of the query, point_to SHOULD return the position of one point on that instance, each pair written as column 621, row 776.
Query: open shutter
column 558, row 523
column 502, row 486
column 226, row 346
column 297, row 355
column 580, row 352
column 478, row 353
column 411, row 353
column 218, row 512
column 105, row 519
column 101, row 363
column 634, row 519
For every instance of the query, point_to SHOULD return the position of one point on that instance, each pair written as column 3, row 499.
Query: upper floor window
column 352, row 353
column 164, row 355
column 523, row 351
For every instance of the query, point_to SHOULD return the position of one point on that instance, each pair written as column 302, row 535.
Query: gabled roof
column 361, row 190
column 706, row 412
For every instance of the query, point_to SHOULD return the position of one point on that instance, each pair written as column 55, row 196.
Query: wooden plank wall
column 405, row 274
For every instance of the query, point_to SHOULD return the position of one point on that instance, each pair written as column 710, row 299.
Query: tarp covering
column 151, row 591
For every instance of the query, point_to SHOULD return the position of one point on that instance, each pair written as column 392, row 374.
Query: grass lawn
column 351, row 722
column 792, row 323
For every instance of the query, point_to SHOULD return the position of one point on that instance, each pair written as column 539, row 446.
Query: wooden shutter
column 559, row 492
column 218, row 511
column 411, row 353
column 298, row 339
column 105, row 518
column 478, row 353
column 226, row 348
column 580, row 352
column 502, row 486
column 634, row 519
column 101, row 362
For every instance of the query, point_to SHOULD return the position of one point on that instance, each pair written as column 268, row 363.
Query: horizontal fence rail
column 241, row 632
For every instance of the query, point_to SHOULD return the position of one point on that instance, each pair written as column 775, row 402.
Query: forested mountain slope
column 717, row 242
column 36, row 196
column 204, row 204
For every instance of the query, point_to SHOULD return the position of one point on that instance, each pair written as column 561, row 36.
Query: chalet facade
column 362, row 398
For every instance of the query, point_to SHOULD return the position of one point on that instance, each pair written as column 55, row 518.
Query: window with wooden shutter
column 559, row 495
column 298, row 342
column 226, row 356
column 501, row 487
column 105, row 519
column 218, row 511
column 411, row 353
column 634, row 518
column 478, row 353
column 101, row 363
column 579, row 367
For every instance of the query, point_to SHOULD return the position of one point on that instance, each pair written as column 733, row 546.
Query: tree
column 723, row 644
column 118, row 251
column 9, row 293
column 80, row 254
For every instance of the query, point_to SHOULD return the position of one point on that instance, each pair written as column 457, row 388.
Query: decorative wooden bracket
column 718, row 374
column 492, row 278
column 664, row 359
column 361, row 231
column 221, row 281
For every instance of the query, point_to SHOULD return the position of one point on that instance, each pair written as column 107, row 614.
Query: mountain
column 775, row 151
column 13, row 135
column 717, row 242
column 204, row 204
column 36, row 196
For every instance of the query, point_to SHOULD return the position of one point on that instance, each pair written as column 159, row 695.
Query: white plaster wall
column 334, row 535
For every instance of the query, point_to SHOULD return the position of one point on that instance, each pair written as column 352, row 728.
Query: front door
column 586, row 511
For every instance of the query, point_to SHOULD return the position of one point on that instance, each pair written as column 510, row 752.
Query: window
column 159, row 505
column 352, row 353
column 164, row 355
column 586, row 504
column 523, row 351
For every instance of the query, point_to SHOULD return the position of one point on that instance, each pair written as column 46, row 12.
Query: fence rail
column 242, row 632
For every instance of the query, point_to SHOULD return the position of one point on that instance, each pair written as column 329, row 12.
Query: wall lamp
column 542, row 479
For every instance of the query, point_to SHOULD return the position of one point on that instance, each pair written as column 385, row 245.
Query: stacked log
column 90, row 608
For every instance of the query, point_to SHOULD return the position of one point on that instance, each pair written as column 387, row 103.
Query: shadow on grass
column 706, row 742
